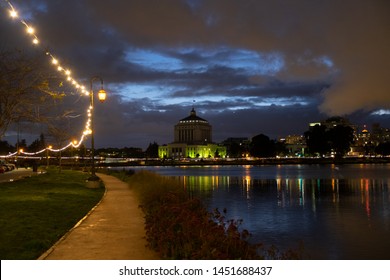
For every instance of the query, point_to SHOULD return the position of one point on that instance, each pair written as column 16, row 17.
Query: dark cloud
column 354, row 35
column 256, row 66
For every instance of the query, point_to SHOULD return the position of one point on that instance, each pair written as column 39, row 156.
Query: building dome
column 193, row 118
column 193, row 130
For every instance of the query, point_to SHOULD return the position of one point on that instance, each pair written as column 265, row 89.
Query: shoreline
column 267, row 161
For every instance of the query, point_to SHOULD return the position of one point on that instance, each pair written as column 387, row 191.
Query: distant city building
column 237, row 147
column 295, row 140
column 312, row 124
column 192, row 139
column 335, row 121
column 295, row 144
column 379, row 134
column 362, row 144
column 363, row 137
column 366, row 141
column 332, row 122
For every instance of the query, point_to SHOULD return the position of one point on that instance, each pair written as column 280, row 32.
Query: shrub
column 179, row 227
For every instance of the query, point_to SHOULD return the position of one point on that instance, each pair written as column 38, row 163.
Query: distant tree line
column 37, row 145
column 322, row 141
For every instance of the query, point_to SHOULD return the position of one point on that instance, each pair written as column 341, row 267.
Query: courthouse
column 192, row 139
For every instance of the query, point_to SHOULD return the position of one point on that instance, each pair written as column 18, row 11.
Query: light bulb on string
column 30, row 30
column 13, row 13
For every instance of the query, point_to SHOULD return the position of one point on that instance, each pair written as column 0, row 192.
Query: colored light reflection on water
column 336, row 212
column 334, row 217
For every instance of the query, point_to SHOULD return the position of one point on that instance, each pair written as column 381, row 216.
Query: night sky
column 248, row 67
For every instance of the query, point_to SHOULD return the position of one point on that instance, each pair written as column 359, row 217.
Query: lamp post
column 102, row 97
column 72, row 156
column 47, row 155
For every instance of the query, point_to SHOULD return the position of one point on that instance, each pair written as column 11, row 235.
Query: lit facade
column 295, row 144
column 193, row 130
column 192, row 139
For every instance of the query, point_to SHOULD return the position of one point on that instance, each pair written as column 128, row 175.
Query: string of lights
column 55, row 62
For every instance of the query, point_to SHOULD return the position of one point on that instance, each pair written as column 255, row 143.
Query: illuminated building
column 237, row 147
column 193, row 130
column 333, row 122
column 366, row 141
column 380, row 134
column 295, row 144
column 192, row 139
column 362, row 144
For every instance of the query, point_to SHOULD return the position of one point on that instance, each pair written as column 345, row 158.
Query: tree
column 317, row 140
column 341, row 137
column 21, row 144
column 281, row 149
column 262, row 146
column 38, row 144
column 235, row 150
column 6, row 148
column 18, row 82
column 322, row 141
column 383, row 149
column 25, row 89
column 152, row 150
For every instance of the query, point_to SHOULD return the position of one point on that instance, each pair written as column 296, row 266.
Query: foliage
column 31, row 94
column 341, row 137
column 21, row 88
column 6, row 148
column 317, row 140
column 262, row 146
column 179, row 227
column 38, row 144
column 35, row 212
column 321, row 140
column 152, row 150
column 235, row 150
column 383, row 149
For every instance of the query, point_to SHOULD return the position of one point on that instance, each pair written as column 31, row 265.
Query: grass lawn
column 35, row 212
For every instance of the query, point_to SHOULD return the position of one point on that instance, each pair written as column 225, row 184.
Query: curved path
column 113, row 230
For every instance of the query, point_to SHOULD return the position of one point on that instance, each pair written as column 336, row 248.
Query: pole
column 93, row 172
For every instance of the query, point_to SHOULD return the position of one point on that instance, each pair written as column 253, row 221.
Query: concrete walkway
column 113, row 230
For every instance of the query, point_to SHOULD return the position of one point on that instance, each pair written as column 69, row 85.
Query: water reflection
column 291, row 192
column 336, row 218
column 339, row 212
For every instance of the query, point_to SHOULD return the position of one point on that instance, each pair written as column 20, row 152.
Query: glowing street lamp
column 102, row 97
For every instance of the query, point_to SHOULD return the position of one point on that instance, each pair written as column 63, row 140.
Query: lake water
column 336, row 212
